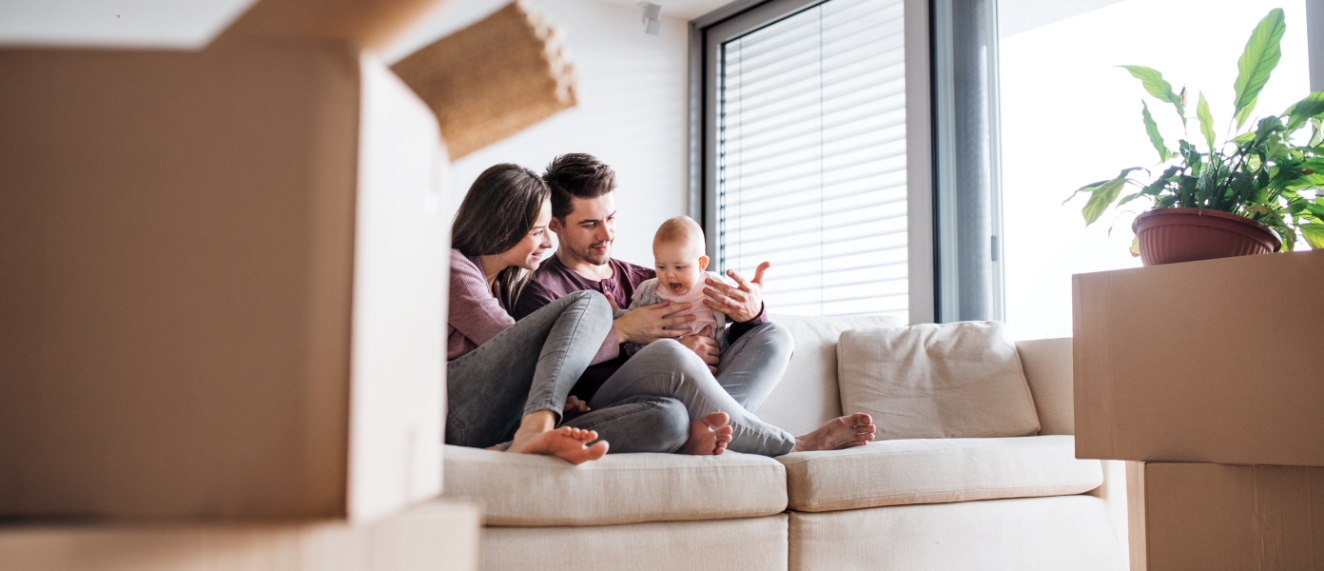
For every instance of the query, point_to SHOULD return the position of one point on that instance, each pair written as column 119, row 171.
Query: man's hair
column 577, row 175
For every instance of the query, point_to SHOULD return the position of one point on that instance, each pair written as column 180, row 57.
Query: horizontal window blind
column 811, row 158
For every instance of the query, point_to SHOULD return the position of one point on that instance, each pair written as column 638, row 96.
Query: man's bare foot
column 842, row 432
column 708, row 435
column 567, row 443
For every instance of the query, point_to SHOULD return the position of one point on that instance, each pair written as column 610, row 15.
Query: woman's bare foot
column 567, row 443
column 842, row 432
column 708, row 435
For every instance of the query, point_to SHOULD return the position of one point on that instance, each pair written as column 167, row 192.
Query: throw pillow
column 953, row 380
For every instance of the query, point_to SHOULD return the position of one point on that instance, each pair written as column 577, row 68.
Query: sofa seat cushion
column 528, row 490
column 900, row 472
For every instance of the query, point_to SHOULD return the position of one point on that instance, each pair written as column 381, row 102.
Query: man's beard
column 593, row 257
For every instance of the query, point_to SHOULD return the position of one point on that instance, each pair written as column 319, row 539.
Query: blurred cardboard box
column 222, row 275
column 1211, row 517
column 1214, row 361
column 435, row 536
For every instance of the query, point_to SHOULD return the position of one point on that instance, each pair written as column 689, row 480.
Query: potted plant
column 1251, row 194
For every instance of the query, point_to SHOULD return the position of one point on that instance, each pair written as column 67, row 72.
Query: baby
column 678, row 252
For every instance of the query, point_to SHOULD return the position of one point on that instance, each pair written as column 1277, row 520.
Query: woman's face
column 528, row 253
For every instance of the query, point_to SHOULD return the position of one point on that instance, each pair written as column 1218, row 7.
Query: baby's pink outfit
column 703, row 315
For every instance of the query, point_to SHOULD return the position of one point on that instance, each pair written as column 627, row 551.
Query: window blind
column 811, row 158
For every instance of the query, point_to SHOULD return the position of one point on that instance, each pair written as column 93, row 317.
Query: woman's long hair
column 499, row 211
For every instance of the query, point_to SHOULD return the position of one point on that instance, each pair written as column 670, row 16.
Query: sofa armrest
column 1047, row 364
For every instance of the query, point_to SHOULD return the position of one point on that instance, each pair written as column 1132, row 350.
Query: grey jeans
column 532, row 365
column 747, row 373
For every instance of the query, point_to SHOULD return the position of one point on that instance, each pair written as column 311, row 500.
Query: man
column 584, row 219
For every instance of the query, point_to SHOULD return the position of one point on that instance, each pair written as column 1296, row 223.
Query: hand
column 646, row 324
column 574, row 405
column 742, row 302
column 612, row 301
column 704, row 346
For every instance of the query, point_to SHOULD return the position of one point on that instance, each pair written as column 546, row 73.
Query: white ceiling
column 683, row 9
column 187, row 24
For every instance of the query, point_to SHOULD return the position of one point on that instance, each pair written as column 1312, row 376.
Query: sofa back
column 808, row 394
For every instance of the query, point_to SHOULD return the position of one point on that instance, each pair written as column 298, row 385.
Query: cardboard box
column 1214, row 361
column 222, row 275
column 1209, row 517
column 434, row 536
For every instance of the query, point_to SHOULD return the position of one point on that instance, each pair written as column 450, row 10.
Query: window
column 807, row 154
column 1070, row 117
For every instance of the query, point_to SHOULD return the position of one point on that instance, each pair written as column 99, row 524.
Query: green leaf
column 1135, row 247
column 1314, row 235
column 1304, row 110
column 1103, row 197
column 1316, row 208
column 1154, row 136
column 1157, row 86
column 1206, row 121
column 1257, row 62
column 1090, row 188
column 1205, row 189
column 1102, row 194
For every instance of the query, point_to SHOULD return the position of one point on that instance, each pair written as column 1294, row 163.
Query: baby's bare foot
column 567, row 443
column 842, row 432
column 708, row 435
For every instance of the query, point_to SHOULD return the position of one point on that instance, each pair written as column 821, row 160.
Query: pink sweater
column 476, row 315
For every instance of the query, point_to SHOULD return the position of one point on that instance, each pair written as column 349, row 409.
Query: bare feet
column 567, row 443
column 708, row 435
column 842, row 432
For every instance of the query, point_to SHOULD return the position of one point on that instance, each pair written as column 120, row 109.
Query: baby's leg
column 666, row 368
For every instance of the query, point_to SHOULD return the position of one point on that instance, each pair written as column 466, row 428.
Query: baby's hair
column 679, row 229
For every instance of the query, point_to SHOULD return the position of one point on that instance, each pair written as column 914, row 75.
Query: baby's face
column 679, row 266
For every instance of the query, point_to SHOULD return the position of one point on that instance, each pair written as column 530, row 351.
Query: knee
column 781, row 337
column 593, row 302
column 778, row 338
column 667, row 349
column 674, row 356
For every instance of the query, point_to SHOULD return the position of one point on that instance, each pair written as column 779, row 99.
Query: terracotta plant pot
column 1173, row 235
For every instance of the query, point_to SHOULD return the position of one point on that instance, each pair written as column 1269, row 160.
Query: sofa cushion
column 897, row 472
column 529, row 490
column 807, row 395
column 953, row 380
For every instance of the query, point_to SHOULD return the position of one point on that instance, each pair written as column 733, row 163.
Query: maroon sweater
column 476, row 315
column 553, row 280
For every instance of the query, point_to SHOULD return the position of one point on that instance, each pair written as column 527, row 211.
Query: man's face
column 587, row 232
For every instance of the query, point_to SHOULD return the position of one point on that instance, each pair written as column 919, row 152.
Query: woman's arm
column 474, row 311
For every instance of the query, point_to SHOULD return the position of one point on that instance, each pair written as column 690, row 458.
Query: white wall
column 631, row 113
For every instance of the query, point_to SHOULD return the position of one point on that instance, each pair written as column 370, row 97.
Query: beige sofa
column 978, row 503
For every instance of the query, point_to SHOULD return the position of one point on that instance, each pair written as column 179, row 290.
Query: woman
column 509, row 381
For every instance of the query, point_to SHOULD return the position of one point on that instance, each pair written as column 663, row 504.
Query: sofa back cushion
column 954, row 380
column 1047, row 364
column 807, row 396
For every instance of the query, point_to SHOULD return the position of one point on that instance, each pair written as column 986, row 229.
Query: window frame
column 708, row 32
